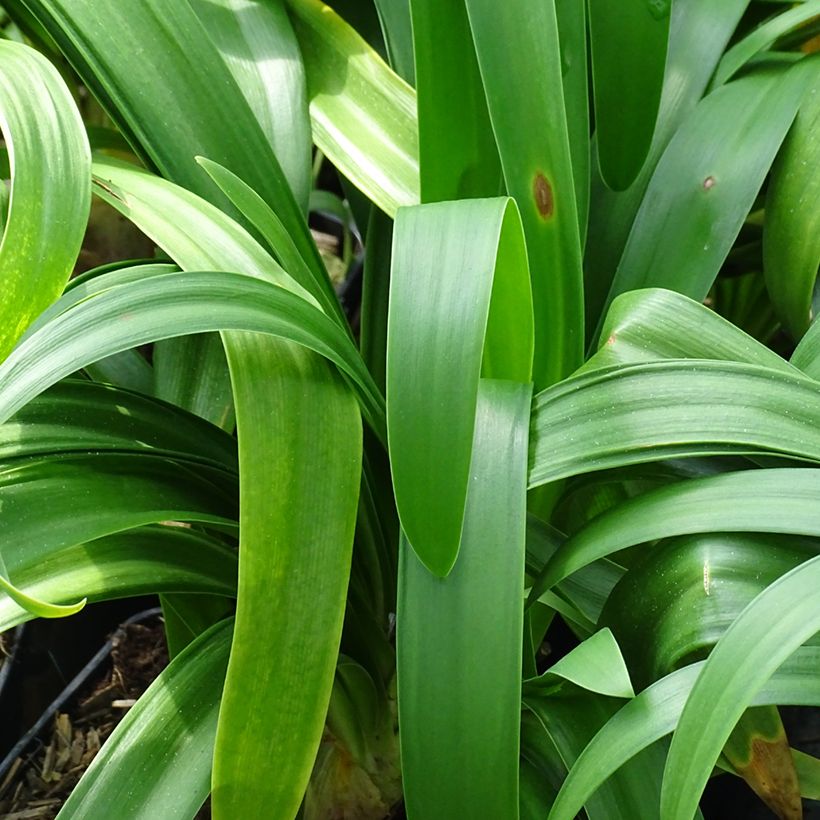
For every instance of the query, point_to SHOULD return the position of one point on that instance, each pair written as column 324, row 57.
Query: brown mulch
column 39, row 782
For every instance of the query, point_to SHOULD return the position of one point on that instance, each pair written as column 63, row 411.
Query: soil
column 41, row 779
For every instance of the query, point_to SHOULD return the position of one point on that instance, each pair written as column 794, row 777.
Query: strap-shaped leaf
column 633, row 414
column 142, row 561
column 459, row 308
column 363, row 114
column 50, row 187
column 778, row 500
column 763, row 37
column 459, row 638
column 655, row 712
column 457, row 154
column 682, row 594
column 157, row 762
column 806, row 356
column 698, row 33
column 299, row 431
column 175, row 304
column 596, row 664
column 520, row 60
column 77, row 416
column 628, row 40
column 653, row 323
column 257, row 43
column 791, row 232
column 306, row 268
column 294, row 568
column 572, row 37
column 705, row 183
column 572, row 700
column 784, row 616
column 182, row 67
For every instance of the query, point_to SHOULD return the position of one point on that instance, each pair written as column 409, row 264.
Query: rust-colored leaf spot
column 544, row 200
column 708, row 183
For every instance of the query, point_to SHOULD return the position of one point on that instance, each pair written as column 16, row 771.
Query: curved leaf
column 175, row 304
column 458, row 158
column 779, row 500
column 698, row 33
column 50, row 187
column 142, row 561
column 654, row 713
column 681, row 595
column 294, row 569
column 465, row 679
column 653, row 323
column 520, row 60
column 705, row 183
column 633, row 414
column 791, row 232
column 182, row 67
column 763, row 37
column 628, row 43
column 257, row 43
column 308, row 270
column 784, row 616
column 363, row 114
column 289, row 403
column 157, row 762
column 77, row 416
column 459, row 308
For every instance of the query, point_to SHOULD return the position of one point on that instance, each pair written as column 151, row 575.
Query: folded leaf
column 459, row 308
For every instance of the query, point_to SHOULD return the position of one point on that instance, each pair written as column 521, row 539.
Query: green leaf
column 295, row 545
column 634, row 414
column 36, row 607
column 305, row 535
column 520, row 61
column 791, row 231
column 193, row 373
column 363, row 114
column 771, row 628
column 157, row 762
column 50, row 187
column 655, row 713
column 80, row 416
column 571, row 719
column 110, row 492
column 182, row 67
column 778, row 500
column 396, row 25
column 628, row 45
column 170, row 305
column 705, row 184
column 257, row 43
column 457, row 154
column 459, row 638
column 572, row 37
column 650, row 324
column 681, row 595
column 698, row 33
column 763, row 37
column 595, row 665
column 304, row 265
column 806, row 356
column 459, row 308
column 141, row 561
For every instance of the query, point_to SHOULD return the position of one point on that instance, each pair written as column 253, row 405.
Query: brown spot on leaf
column 544, row 200
column 708, row 183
